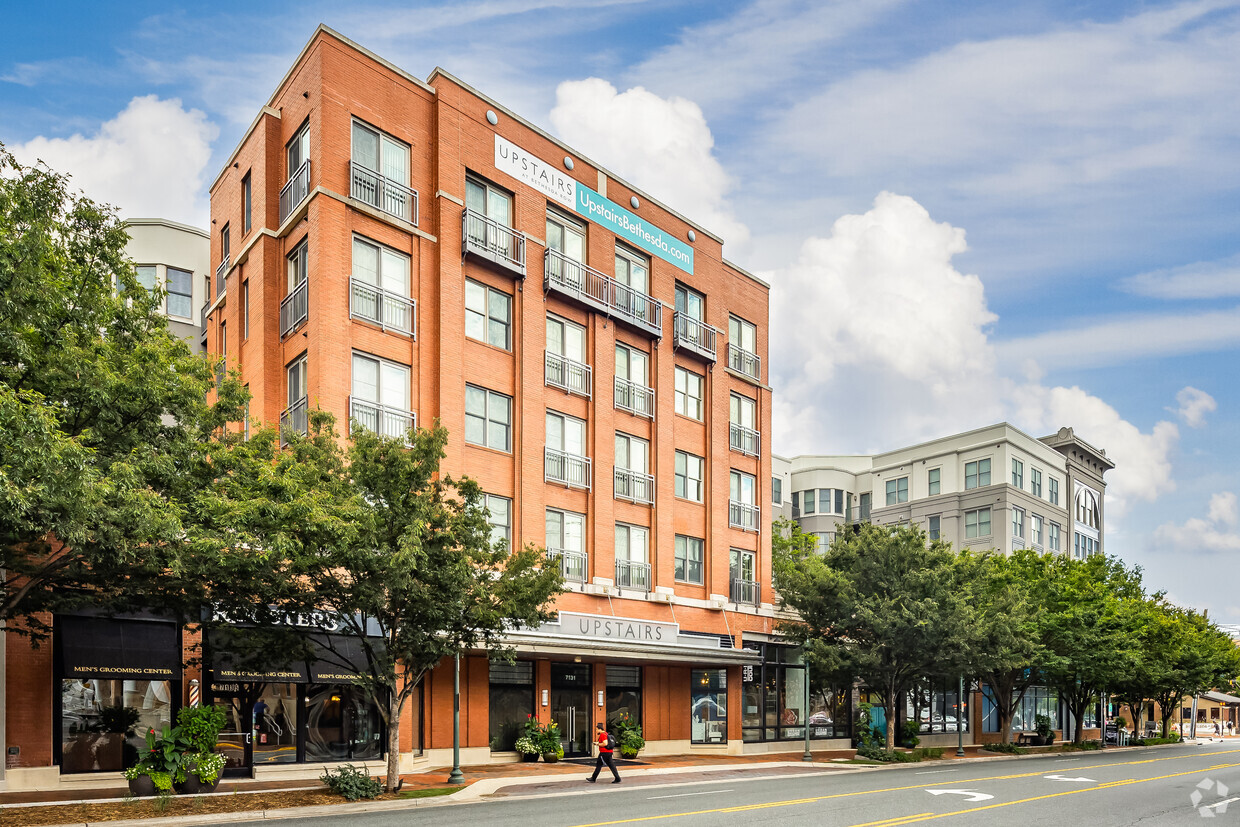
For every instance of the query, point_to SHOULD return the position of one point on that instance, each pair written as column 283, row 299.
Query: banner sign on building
column 548, row 179
column 618, row 628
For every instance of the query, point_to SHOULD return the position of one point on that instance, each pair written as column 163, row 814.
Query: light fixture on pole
column 808, row 756
column 456, row 776
column 959, row 714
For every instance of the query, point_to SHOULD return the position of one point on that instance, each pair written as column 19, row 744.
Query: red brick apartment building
column 398, row 251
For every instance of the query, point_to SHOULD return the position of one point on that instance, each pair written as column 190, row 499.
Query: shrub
column 928, row 752
column 351, row 782
column 908, row 734
column 1010, row 749
column 631, row 742
column 201, row 726
column 206, row 766
column 549, row 739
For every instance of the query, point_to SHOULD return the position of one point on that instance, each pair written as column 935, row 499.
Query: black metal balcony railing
column 742, row 515
column 568, row 374
column 295, row 191
column 384, row 194
column 572, row 563
column 381, row 419
column 579, row 281
column 634, row 486
column 295, row 308
column 220, row 273
column 745, row 591
column 488, row 239
column 567, row 469
column 631, row 574
column 693, row 335
column 391, row 311
column 293, row 420
column 743, row 361
column 634, row 398
column 744, row 440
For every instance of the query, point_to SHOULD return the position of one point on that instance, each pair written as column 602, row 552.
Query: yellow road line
column 894, row 822
column 792, row 802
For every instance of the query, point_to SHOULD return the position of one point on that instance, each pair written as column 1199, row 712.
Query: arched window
column 1087, row 508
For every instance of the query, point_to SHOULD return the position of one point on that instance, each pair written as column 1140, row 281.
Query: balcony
column 491, row 241
column 568, row 375
column 743, row 515
column 634, row 486
column 634, row 398
column 567, row 469
column 295, row 308
column 380, row 419
column 633, row 575
column 293, row 420
column 572, row 563
column 220, row 273
column 745, row 591
column 744, row 440
column 583, row 283
column 391, row 311
column 382, row 193
column 693, row 335
column 295, row 191
column 859, row 514
column 744, row 362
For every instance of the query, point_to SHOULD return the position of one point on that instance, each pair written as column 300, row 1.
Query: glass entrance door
column 570, row 706
column 236, row 741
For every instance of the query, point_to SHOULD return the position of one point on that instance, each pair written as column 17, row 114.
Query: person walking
column 606, row 746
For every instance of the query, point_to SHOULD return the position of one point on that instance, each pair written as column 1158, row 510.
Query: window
column 147, row 276
column 294, row 416
column 1052, row 537
column 296, row 375
column 1035, row 482
column 977, row 523
column 1085, row 546
column 245, row 309
column 83, row 745
column 566, row 356
column 380, row 174
column 1086, row 507
column 180, row 293
column 777, row 491
column 298, row 266
column 632, row 542
column 935, row 706
column 566, row 433
column 633, row 480
column 708, row 710
column 863, row 505
column 807, row 501
column 1035, row 529
column 977, row 474
column 796, row 504
column 1018, row 523
column 631, row 365
column 633, row 271
column 742, row 425
column 742, row 572
column 830, row 501
column 380, row 266
column 933, row 486
column 225, row 248
column 1053, row 491
column 488, row 314
column 688, row 394
column 742, row 496
column 1018, row 473
column 688, row 563
column 490, row 230
column 897, row 491
column 499, row 516
column 299, row 149
column 247, row 203
column 743, row 347
column 690, row 302
column 933, row 527
column 689, row 476
column 632, row 392
column 566, row 530
column 488, row 418
column 511, row 702
column 631, row 453
column 380, row 401
column 568, row 238
column 222, row 370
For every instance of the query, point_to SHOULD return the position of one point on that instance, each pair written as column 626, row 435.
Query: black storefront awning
column 333, row 659
column 117, row 649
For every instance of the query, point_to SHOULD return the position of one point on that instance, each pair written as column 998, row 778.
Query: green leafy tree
column 101, row 409
column 1200, row 657
column 881, row 604
column 1154, row 649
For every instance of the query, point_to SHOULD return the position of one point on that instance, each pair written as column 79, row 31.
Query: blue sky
column 969, row 212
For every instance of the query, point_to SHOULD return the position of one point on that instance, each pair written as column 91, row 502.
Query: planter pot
column 551, row 757
column 192, row 786
column 142, row 785
column 529, row 757
column 629, row 753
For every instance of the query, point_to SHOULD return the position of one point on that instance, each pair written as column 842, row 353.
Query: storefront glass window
column 624, row 694
column 773, row 699
column 708, row 713
column 512, row 702
column 103, row 723
column 274, row 724
column 342, row 724
column 936, row 707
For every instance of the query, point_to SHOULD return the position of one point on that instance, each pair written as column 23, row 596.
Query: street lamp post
column 805, row 709
column 959, row 714
column 456, row 776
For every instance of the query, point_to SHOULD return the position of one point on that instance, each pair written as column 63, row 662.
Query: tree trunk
column 395, row 701
column 1005, row 725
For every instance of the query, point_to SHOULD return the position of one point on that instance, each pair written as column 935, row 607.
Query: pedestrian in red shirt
column 606, row 745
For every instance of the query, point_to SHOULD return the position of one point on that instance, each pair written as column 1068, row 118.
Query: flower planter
column 192, row 786
column 529, row 757
column 550, row 757
column 629, row 753
column 142, row 786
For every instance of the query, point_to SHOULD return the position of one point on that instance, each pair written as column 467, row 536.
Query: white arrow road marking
column 1066, row 778
column 973, row 795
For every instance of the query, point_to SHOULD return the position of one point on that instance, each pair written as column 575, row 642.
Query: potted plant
column 202, row 773
column 549, row 743
column 628, row 735
column 1046, row 735
column 161, row 766
column 528, row 748
column 200, row 727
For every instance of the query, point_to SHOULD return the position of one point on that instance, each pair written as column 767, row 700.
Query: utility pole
column 960, row 707
column 456, row 776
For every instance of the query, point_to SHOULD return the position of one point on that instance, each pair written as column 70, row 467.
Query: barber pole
column 193, row 692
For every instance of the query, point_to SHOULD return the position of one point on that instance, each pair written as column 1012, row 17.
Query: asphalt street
column 1157, row 786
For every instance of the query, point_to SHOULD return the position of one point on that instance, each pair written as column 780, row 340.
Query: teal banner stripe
column 637, row 231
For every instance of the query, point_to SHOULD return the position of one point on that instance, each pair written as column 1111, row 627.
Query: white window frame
column 686, row 404
column 491, row 401
column 1035, row 481
column 934, row 482
column 1035, row 529
column 977, row 523
column 690, row 485
column 684, row 559
column 625, row 551
column 979, row 473
column 1018, row 473
column 500, row 529
column 934, row 526
column 489, row 321
column 894, row 496
column 1052, row 490
column 188, row 297
column 1018, row 523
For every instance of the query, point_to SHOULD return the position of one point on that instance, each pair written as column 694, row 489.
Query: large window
column 566, row 356
column 933, row 481
column 743, row 347
column 690, row 302
column 624, row 694
column 380, row 266
column 1053, row 491
column 831, row 501
column 633, row 394
column 632, row 479
column 1086, row 507
column 633, row 271
column 632, row 543
column 511, row 702
column 1038, row 700
column 566, row 532
column 146, row 277
column 1035, row 529
column 1052, row 536
column 180, row 293
column 486, row 199
column 488, row 418
column 567, row 237
column 934, row 527
column 382, row 160
column 688, row 563
column 98, row 719
column 566, row 433
column 299, row 149
column 488, row 314
column 807, row 501
column 708, row 710
column 1035, row 481
column 897, row 491
column 777, row 491
column 499, row 516
column 342, row 724
column 773, row 699
column 977, row 474
column 380, row 400
column 1018, row 473
column 742, row 501
column 688, row 394
column 1084, row 546
column 689, row 476
column 936, row 706
column 1018, row 523
column 743, row 424
column 977, row 523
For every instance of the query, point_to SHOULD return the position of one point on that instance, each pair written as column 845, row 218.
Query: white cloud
column 662, row 145
column 1194, row 405
column 148, row 161
column 1201, row 280
column 1216, row 533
